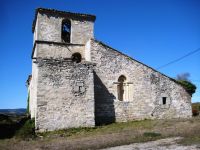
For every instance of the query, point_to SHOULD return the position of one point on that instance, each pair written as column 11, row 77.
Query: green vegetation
column 189, row 87
column 27, row 130
column 195, row 109
column 16, row 126
column 151, row 134
column 190, row 140
column 196, row 106
column 112, row 128
column 104, row 136
column 28, row 99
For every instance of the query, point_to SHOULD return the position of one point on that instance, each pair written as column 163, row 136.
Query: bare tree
column 183, row 76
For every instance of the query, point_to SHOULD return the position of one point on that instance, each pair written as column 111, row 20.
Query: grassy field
column 196, row 106
column 105, row 136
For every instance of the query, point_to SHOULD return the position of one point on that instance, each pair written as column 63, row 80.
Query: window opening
column 164, row 100
column 121, row 87
column 66, row 31
column 76, row 57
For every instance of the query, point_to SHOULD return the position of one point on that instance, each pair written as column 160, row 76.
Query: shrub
column 195, row 112
column 189, row 87
column 151, row 134
column 27, row 130
column 28, row 100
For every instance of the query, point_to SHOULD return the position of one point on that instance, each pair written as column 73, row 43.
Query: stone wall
column 61, row 91
column 48, row 28
column 65, row 96
column 33, row 90
column 57, row 50
column 147, row 88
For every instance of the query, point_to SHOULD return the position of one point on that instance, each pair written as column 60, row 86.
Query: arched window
column 76, row 57
column 66, row 31
column 121, row 88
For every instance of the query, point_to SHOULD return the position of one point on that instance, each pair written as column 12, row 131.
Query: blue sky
column 154, row 32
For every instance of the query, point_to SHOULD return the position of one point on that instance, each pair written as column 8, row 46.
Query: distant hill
column 19, row 111
column 196, row 105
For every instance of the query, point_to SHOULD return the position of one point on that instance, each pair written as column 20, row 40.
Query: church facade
column 78, row 81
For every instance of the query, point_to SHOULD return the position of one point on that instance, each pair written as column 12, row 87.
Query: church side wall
column 33, row 89
column 146, row 89
column 65, row 95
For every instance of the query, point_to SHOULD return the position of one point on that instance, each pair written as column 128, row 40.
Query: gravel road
column 163, row 144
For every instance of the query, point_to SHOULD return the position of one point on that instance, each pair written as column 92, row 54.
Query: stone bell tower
column 51, row 25
column 61, row 89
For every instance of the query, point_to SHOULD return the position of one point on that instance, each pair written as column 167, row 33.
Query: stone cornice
column 53, row 43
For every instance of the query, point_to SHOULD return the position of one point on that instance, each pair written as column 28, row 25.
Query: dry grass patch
column 110, row 135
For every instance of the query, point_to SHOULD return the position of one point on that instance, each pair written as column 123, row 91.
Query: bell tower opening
column 66, row 31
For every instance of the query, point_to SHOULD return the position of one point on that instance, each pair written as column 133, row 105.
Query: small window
column 121, row 88
column 164, row 100
column 66, row 31
column 76, row 57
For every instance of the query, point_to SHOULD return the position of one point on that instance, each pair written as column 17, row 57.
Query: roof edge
column 173, row 80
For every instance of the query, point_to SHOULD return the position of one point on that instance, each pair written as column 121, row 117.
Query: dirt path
column 163, row 144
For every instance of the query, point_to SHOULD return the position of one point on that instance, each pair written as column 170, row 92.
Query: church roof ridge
column 103, row 44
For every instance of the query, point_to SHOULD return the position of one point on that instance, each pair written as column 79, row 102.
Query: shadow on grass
column 10, row 124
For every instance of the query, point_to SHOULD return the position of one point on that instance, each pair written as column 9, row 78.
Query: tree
column 183, row 76
column 189, row 87
column 183, row 80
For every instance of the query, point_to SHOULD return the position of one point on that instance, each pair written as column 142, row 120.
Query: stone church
column 78, row 81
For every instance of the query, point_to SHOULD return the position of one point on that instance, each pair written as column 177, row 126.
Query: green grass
column 196, row 106
column 105, row 136
column 27, row 130
column 190, row 140
column 112, row 128
column 151, row 134
column 9, row 124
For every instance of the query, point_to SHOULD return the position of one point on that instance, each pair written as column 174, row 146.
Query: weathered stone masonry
column 83, row 82
column 65, row 94
column 148, row 87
